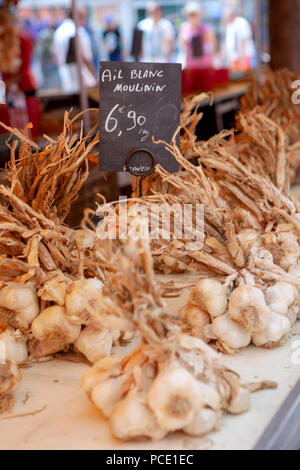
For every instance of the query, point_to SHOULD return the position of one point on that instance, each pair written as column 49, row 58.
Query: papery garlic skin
column 132, row 419
column 210, row 296
column 205, row 421
column 85, row 239
column 79, row 296
column 15, row 346
column 194, row 321
column 247, row 306
column 274, row 334
column 230, row 334
column 174, row 398
column 22, row 300
column 280, row 296
column 52, row 331
column 107, row 394
column 94, row 343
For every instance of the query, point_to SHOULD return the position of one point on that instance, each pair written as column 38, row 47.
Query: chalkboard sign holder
column 138, row 101
column 141, row 175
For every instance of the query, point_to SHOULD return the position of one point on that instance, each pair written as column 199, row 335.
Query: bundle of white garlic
column 265, row 318
column 74, row 320
column 150, row 397
column 171, row 381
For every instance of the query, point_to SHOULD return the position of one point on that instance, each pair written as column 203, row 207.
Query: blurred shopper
column 45, row 52
column 112, row 40
column 64, row 46
column 197, row 40
column 239, row 48
column 158, row 36
column 21, row 86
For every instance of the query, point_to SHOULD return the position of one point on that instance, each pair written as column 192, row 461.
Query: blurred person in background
column 194, row 29
column 158, row 36
column 238, row 50
column 64, row 47
column 45, row 52
column 112, row 40
column 21, row 87
column 23, row 77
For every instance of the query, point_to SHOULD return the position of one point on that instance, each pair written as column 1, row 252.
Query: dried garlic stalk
column 45, row 268
column 273, row 98
column 172, row 381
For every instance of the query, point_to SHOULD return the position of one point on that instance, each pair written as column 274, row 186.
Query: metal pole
column 84, row 100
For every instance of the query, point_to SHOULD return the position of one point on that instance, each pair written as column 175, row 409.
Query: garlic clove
column 174, row 397
column 240, row 402
column 205, row 421
column 94, row 343
column 193, row 321
column 22, row 300
column 231, row 333
column 79, row 296
column 132, row 419
column 292, row 314
column 106, row 394
column 53, row 321
column 85, row 239
column 276, row 331
column 247, row 306
column 210, row 295
column 15, row 346
column 280, row 295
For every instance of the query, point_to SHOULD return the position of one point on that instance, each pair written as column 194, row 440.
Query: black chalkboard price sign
column 138, row 101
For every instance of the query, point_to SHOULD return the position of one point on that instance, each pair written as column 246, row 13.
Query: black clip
column 140, row 175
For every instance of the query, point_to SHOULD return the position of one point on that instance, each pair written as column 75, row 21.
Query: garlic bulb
column 174, row 398
column 205, row 420
column 81, row 294
column 85, row 239
column 94, row 343
column 54, row 331
column 133, row 419
column 231, row 335
column 15, row 346
column 210, row 296
column 274, row 333
column 280, row 296
column 295, row 271
column 290, row 246
column 194, row 321
column 247, row 306
column 22, row 301
column 107, row 394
